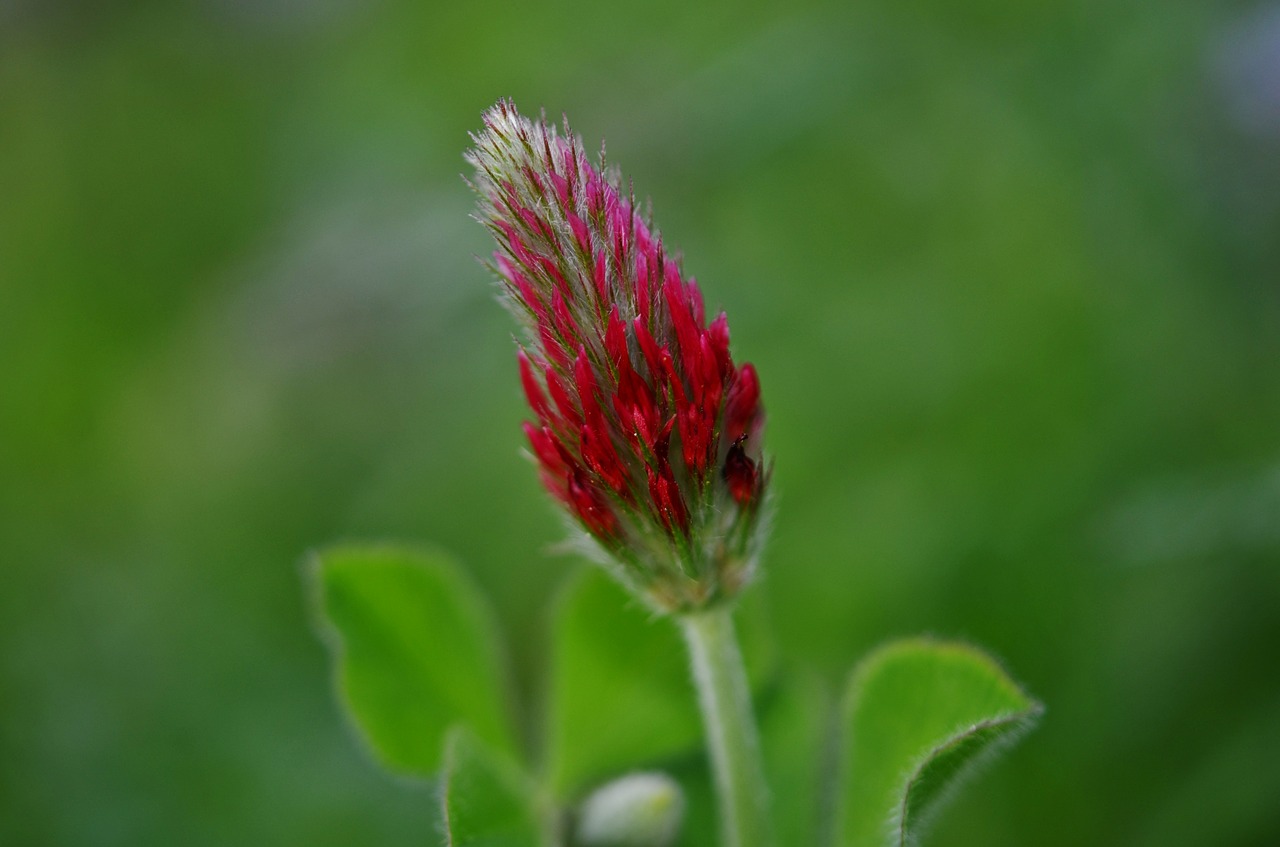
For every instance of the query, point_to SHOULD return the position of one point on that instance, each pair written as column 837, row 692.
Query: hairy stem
column 732, row 740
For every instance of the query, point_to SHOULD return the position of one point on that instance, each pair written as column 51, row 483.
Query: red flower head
column 644, row 428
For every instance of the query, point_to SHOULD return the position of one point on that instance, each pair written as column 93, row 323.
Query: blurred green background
column 1010, row 273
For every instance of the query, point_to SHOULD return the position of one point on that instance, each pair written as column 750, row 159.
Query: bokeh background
column 1010, row 272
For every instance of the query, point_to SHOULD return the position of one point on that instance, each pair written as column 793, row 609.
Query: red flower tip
column 532, row 391
column 592, row 509
column 742, row 409
column 741, row 475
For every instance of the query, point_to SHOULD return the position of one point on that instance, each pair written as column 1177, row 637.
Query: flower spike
column 644, row 429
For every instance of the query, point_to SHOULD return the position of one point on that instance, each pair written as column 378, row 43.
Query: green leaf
column 621, row 695
column 620, row 691
column 701, row 824
column 488, row 801
column 919, row 715
column 415, row 651
column 795, row 723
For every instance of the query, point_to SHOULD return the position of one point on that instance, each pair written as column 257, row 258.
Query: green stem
column 730, row 727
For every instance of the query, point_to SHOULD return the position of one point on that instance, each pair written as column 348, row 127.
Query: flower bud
column 637, row 810
column 645, row 430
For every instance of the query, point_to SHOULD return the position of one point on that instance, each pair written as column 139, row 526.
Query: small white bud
column 637, row 810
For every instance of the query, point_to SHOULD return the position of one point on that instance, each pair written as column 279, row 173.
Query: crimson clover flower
column 644, row 428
